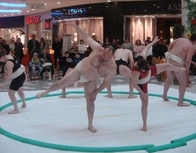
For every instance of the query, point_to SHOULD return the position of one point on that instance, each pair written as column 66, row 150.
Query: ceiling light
column 58, row 2
column 9, row 11
column 108, row 0
column 12, row 5
column 45, row 4
column 28, row 11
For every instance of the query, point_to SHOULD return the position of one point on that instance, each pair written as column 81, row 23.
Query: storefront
column 40, row 25
column 12, row 27
column 120, row 19
column 155, row 18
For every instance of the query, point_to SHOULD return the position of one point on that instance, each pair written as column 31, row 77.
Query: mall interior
column 43, row 126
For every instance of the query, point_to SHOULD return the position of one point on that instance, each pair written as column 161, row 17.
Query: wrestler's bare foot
column 144, row 128
column 14, row 112
column 165, row 98
column 183, row 104
column 23, row 105
column 39, row 95
column 108, row 96
column 92, row 129
column 63, row 96
column 132, row 96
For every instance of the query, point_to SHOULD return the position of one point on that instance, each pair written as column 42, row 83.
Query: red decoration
column 193, row 21
column 33, row 20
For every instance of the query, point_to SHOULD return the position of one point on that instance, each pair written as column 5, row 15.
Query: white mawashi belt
column 18, row 72
column 173, row 57
column 146, row 79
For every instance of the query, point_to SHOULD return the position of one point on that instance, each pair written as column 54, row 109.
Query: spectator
column 35, row 65
column 57, row 47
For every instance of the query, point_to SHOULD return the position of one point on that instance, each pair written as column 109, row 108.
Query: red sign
column 193, row 21
column 47, row 24
column 33, row 20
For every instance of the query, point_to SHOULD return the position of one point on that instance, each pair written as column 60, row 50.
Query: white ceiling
column 51, row 4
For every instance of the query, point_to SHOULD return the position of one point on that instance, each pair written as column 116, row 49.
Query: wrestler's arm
column 89, row 40
column 144, row 52
column 188, row 60
column 8, row 66
column 131, row 60
column 106, row 82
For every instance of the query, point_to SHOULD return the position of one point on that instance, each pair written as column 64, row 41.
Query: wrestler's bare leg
column 109, row 95
column 126, row 72
column 181, row 76
column 170, row 69
column 131, row 95
column 167, row 84
column 11, row 94
column 144, row 111
column 64, row 89
column 69, row 79
column 88, row 88
column 22, row 97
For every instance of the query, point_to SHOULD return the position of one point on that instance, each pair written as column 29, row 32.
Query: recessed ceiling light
column 19, row 13
column 58, row 2
column 45, row 4
column 12, row 14
column 33, row 9
column 28, row 11
column 5, row 15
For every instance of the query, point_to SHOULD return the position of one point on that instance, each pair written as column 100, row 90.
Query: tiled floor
column 117, row 80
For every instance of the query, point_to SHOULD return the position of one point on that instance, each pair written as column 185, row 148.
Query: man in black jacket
column 33, row 45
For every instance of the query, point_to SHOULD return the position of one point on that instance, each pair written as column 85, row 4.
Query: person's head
column 2, row 55
column 18, row 40
column 67, row 54
column 42, row 39
column 41, row 44
column 164, row 41
column 35, row 55
column 33, row 36
column 56, row 39
column 77, row 56
column 72, row 50
column 148, row 38
column 114, row 41
column 106, row 39
column 94, row 37
column 142, row 64
column 193, row 38
column 127, row 39
column 138, row 42
column 107, row 54
column 45, row 50
column 81, row 41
